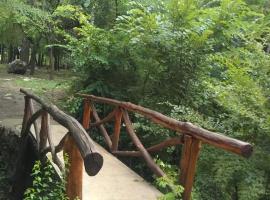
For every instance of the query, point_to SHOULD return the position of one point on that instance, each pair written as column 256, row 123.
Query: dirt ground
column 11, row 101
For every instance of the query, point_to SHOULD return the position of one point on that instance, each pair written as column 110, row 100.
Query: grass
column 39, row 83
column 40, row 86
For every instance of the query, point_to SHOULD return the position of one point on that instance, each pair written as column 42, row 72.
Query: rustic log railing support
column 155, row 148
column 32, row 111
column 149, row 161
column 76, row 142
column 44, row 131
column 101, row 127
column 27, row 113
column 75, row 172
column 190, row 153
column 189, row 135
column 117, row 129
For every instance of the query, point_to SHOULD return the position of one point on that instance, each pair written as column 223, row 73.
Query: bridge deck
column 114, row 182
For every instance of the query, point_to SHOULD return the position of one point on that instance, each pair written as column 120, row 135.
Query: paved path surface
column 115, row 181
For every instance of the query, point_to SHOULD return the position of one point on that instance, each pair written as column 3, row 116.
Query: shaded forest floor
column 12, row 102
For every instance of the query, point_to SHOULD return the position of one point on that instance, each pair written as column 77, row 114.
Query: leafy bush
column 46, row 183
column 197, row 61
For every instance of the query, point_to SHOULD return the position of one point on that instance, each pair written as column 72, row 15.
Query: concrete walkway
column 115, row 181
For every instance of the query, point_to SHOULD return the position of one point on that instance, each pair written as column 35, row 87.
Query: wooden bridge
column 75, row 140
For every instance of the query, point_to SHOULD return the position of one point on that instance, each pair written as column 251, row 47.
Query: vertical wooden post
column 44, row 130
column 32, row 110
column 117, row 128
column 27, row 113
column 86, row 114
column 188, row 162
column 75, row 174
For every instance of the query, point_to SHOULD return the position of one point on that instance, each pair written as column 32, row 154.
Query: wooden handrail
column 93, row 160
column 212, row 138
column 77, row 143
column 190, row 136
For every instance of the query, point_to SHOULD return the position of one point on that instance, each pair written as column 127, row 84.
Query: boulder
column 17, row 67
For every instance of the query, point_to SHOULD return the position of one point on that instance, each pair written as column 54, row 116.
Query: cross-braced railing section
column 76, row 143
column 189, row 135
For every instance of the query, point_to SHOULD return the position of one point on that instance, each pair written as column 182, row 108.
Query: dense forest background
column 203, row 61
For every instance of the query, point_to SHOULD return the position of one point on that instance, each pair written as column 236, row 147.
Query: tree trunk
column 2, row 53
column 25, row 52
column 56, row 55
column 40, row 59
column 10, row 53
column 16, row 53
column 33, row 59
column 51, row 64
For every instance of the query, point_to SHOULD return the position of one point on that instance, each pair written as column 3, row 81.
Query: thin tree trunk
column 16, row 53
column 2, row 53
column 40, row 59
column 25, row 52
column 33, row 59
column 10, row 54
column 51, row 64
column 56, row 59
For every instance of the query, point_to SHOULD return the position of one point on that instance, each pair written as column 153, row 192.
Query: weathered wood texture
column 149, row 161
column 101, row 127
column 76, row 142
column 44, row 131
column 75, row 176
column 117, row 129
column 190, row 136
column 93, row 161
column 212, row 138
column 155, row 148
column 189, row 158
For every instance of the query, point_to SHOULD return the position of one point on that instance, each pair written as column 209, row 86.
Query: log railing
column 76, row 143
column 189, row 135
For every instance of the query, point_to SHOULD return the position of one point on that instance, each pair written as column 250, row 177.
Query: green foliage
column 203, row 61
column 198, row 61
column 169, row 184
column 45, row 183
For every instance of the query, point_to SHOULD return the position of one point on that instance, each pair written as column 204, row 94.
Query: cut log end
column 93, row 163
column 247, row 151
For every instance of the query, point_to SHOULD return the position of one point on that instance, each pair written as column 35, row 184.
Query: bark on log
column 117, row 129
column 106, row 119
column 101, row 127
column 212, row 138
column 167, row 143
column 30, row 121
column 55, row 158
column 149, row 161
column 58, row 147
column 32, row 110
column 189, row 159
column 93, row 161
column 44, row 131
column 74, row 176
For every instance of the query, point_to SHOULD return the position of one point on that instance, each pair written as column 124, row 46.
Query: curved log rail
column 189, row 135
column 76, row 143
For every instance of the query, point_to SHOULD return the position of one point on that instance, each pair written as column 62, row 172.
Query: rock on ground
column 17, row 67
